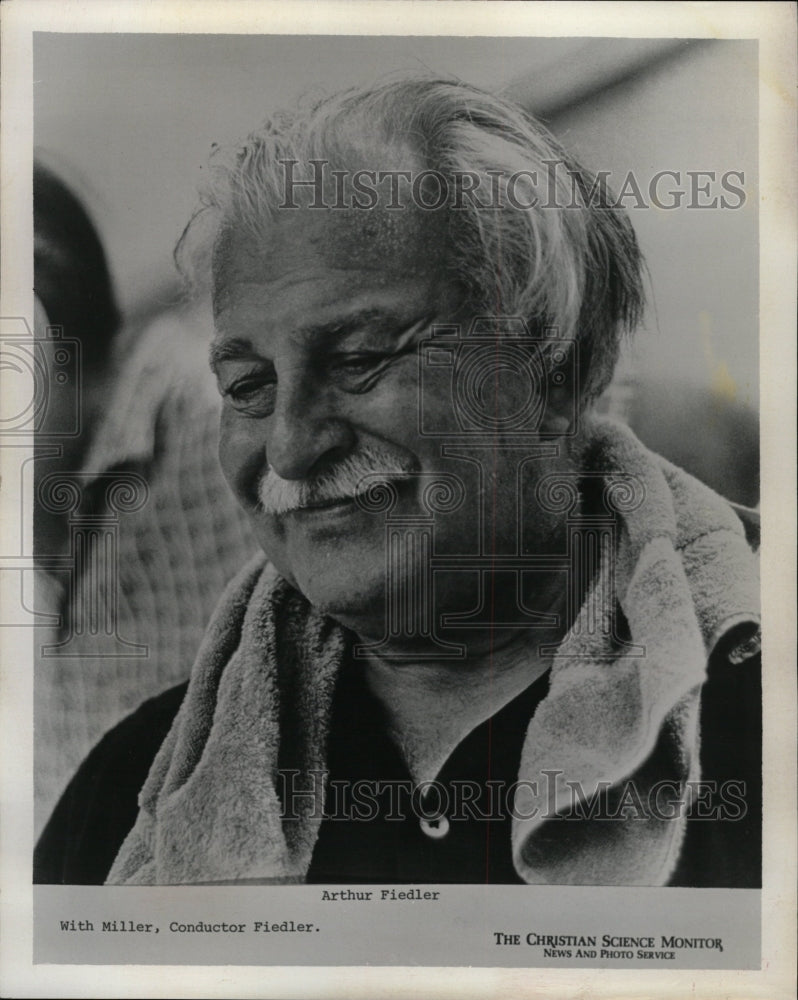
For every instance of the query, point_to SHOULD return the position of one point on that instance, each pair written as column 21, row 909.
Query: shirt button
column 436, row 828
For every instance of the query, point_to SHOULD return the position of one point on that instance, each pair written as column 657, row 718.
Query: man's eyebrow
column 232, row 349
column 239, row 348
column 340, row 327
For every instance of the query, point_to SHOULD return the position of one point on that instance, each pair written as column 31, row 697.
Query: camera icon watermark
column 482, row 394
column 42, row 383
column 72, row 591
column 496, row 378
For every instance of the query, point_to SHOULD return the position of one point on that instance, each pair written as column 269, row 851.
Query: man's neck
column 432, row 706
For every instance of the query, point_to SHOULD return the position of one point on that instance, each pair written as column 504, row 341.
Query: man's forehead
column 400, row 243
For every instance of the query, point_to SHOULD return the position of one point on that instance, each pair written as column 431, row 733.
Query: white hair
column 573, row 270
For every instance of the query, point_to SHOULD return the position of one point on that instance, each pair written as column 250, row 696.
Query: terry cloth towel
column 614, row 723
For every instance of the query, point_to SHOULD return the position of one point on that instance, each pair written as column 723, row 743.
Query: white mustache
column 345, row 480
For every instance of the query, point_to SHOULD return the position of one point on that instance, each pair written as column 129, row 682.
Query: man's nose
column 305, row 431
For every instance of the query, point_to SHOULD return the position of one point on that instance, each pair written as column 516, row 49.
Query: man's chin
column 357, row 606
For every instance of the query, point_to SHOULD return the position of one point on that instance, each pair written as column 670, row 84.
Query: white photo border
column 774, row 25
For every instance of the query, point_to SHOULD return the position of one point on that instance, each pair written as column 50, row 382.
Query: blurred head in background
column 73, row 293
column 71, row 277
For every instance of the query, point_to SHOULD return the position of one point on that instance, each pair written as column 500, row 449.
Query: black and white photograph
column 386, row 482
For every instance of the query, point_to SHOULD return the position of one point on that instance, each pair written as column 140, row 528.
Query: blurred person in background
column 703, row 431
column 135, row 530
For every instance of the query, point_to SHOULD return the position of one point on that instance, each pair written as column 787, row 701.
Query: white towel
column 683, row 575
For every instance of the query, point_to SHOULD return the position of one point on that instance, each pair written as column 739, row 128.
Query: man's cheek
column 242, row 457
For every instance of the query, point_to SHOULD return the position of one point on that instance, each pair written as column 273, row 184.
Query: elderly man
column 476, row 646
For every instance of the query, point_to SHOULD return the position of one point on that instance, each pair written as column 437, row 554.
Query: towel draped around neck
column 618, row 721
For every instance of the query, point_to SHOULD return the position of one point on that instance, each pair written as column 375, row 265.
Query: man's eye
column 252, row 395
column 359, row 363
column 360, row 372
